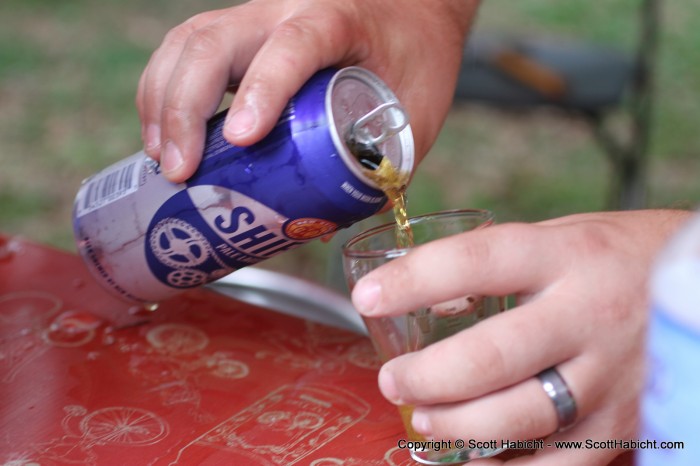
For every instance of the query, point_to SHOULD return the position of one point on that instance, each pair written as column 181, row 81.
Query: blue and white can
column 147, row 239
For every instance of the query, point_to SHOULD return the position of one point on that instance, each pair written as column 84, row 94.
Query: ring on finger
column 558, row 391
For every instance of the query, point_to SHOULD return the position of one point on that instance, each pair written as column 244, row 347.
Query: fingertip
column 387, row 385
column 177, row 176
column 174, row 165
column 240, row 125
column 171, row 159
column 421, row 423
column 255, row 110
column 366, row 296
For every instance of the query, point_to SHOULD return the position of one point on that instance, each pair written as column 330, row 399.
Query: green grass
column 69, row 71
column 15, row 208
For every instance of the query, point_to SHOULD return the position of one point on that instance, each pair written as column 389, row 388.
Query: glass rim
column 487, row 216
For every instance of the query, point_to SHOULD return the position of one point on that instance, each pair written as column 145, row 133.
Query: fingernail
column 421, row 423
column 387, row 385
column 171, row 158
column 241, row 122
column 152, row 137
column 366, row 296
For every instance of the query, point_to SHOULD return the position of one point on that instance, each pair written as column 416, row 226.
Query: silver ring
column 557, row 390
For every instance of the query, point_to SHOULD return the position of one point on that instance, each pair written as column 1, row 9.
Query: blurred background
column 69, row 72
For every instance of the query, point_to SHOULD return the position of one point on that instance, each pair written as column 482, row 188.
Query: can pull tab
column 360, row 130
column 363, row 144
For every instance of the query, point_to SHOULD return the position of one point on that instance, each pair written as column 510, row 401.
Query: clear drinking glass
column 393, row 336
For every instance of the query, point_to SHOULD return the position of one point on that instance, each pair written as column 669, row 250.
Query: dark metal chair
column 589, row 81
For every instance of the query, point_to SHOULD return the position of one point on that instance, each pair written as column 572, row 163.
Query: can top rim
column 404, row 159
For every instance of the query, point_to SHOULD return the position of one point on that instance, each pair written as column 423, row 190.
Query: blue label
column 246, row 204
column 205, row 232
column 296, row 169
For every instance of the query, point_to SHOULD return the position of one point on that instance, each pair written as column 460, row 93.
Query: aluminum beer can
column 147, row 239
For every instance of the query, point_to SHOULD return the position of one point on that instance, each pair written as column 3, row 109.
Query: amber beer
column 406, row 412
column 393, row 183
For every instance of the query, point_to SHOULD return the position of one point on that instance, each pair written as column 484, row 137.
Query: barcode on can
column 120, row 180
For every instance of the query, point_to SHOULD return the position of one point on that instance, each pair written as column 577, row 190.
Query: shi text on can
column 147, row 239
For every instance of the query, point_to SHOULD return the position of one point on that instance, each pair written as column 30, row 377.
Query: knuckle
column 589, row 238
column 320, row 35
column 179, row 34
column 185, row 30
column 203, row 41
column 475, row 251
column 336, row 23
column 297, row 27
column 489, row 364
column 173, row 118
column 480, row 248
column 619, row 311
column 613, row 306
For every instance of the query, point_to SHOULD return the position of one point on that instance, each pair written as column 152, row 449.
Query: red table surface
column 205, row 379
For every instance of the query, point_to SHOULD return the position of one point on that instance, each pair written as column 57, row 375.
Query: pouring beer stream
column 379, row 168
column 393, row 183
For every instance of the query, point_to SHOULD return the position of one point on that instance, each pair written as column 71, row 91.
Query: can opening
column 368, row 155
column 389, row 118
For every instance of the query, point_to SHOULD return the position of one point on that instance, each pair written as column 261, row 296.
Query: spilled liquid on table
column 150, row 306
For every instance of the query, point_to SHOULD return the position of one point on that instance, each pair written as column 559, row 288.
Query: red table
column 205, row 379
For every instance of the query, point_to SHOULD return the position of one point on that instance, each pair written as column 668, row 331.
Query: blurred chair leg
column 628, row 177
column 630, row 159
